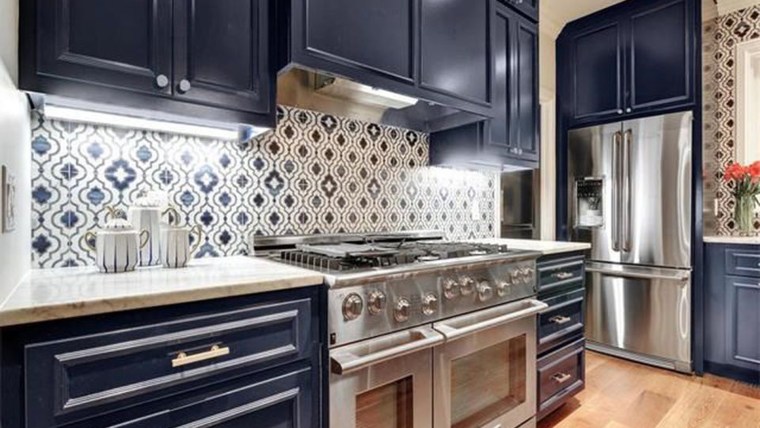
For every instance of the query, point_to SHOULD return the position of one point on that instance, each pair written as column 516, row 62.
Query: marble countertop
column 73, row 292
column 748, row 240
column 544, row 247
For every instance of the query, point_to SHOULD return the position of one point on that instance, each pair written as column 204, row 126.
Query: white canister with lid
column 145, row 214
column 117, row 244
column 176, row 249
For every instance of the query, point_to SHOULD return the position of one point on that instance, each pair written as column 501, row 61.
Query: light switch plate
column 8, row 199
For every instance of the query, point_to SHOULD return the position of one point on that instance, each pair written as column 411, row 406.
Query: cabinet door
column 124, row 44
column 528, row 7
column 221, row 54
column 742, row 321
column 661, row 61
column 370, row 35
column 526, row 120
column 596, row 71
column 504, row 101
column 455, row 48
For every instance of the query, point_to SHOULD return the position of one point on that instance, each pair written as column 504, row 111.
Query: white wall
column 15, row 152
column 548, row 31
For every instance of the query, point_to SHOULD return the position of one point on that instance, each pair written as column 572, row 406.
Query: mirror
column 748, row 102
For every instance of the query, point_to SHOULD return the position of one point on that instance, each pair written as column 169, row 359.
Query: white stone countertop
column 748, row 240
column 544, row 247
column 49, row 294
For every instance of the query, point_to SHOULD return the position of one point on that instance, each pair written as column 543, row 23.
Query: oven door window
column 488, row 383
column 387, row 406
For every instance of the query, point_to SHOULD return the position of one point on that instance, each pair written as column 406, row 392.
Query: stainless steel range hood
column 335, row 95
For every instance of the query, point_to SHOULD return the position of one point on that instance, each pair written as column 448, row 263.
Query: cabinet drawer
column 563, row 320
column 561, row 372
column 78, row 377
column 560, row 273
column 743, row 262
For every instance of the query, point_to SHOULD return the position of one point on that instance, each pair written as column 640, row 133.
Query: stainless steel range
column 423, row 332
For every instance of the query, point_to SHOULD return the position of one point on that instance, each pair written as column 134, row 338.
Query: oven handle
column 451, row 333
column 344, row 361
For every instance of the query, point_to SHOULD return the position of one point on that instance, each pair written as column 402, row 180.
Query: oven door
column 485, row 373
column 384, row 382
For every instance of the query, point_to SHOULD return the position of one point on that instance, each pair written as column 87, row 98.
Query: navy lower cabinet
column 634, row 58
column 242, row 361
column 732, row 311
column 561, row 353
column 202, row 58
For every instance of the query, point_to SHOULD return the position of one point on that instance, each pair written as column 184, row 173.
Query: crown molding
column 728, row 6
column 549, row 25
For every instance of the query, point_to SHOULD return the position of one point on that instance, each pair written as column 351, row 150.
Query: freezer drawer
column 641, row 313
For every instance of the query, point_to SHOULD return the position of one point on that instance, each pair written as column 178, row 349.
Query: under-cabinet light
column 123, row 121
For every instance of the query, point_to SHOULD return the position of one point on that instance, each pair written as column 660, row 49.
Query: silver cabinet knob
column 429, row 304
column 162, row 81
column 628, row 110
column 352, row 306
column 376, row 302
column 466, row 286
column 401, row 310
column 620, row 111
column 485, row 291
column 184, row 86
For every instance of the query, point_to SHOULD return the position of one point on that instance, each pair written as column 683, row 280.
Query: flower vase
column 744, row 214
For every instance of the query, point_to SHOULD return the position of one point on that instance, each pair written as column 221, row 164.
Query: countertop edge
column 741, row 240
column 546, row 248
column 66, row 310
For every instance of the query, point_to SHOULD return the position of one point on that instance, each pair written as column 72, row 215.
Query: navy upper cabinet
column 125, row 44
column 633, row 58
column 221, row 55
column 455, row 57
column 596, row 68
column 196, row 58
column 374, row 35
column 527, row 113
column 659, row 67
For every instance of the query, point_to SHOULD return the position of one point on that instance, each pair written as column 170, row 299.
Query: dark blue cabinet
column 634, row 58
column 732, row 311
column 528, row 8
column 236, row 360
column 512, row 136
column 201, row 58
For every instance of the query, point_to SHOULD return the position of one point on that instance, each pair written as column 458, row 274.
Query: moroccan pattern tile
column 314, row 173
column 720, row 39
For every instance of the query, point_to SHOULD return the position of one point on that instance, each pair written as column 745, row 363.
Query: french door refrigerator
column 630, row 197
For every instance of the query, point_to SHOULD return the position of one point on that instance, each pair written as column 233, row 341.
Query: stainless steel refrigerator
column 630, row 197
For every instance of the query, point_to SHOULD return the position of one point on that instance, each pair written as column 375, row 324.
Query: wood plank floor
column 623, row 394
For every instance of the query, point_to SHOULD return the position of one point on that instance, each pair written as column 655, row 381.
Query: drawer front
column 281, row 401
column 743, row 262
column 560, row 274
column 77, row 377
column 560, row 371
column 563, row 319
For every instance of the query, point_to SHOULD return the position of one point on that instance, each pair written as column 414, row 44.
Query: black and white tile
column 315, row 173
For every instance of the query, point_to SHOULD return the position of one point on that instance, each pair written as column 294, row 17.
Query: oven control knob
column 401, row 310
column 376, row 302
column 485, row 291
column 450, row 289
column 352, row 306
column 502, row 288
column 466, row 286
column 429, row 304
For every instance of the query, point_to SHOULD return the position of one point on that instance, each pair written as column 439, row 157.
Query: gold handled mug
column 117, row 245
column 176, row 249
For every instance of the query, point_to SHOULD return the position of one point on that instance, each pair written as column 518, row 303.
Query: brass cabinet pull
column 216, row 351
column 561, row 377
column 563, row 275
column 559, row 319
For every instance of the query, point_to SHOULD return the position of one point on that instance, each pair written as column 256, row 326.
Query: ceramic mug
column 145, row 214
column 117, row 245
column 175, row 242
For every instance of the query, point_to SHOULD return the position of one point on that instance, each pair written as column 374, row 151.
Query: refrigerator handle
column 615, row 228
column 626, row 199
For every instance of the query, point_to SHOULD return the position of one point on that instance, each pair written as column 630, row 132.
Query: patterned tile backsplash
column 720, row 37
column 314, row 174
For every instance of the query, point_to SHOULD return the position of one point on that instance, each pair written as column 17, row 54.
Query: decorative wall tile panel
column 314, row 173
column 720, row 37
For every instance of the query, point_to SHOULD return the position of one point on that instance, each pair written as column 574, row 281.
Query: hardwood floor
column 623, row 394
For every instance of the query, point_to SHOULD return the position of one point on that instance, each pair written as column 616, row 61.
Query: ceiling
column 556, row 13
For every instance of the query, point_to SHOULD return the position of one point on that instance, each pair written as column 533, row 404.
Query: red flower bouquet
column 746, row 181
